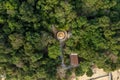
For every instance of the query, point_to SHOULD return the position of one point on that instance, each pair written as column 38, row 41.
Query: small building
column 74, row 59
column 62, row 35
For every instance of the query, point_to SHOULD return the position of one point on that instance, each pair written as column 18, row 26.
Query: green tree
column 29, row 51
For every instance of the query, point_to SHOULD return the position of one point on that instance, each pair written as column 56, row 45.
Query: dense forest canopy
column 29, row 51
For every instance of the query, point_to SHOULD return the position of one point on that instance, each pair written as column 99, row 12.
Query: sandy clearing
column 100, row 72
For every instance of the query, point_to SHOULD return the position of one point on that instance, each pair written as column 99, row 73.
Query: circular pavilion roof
column 61, row 35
